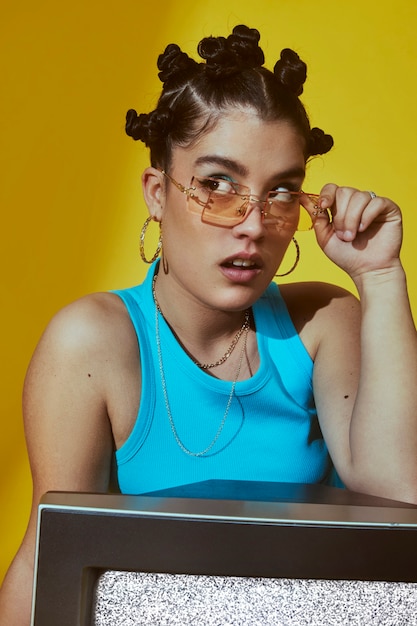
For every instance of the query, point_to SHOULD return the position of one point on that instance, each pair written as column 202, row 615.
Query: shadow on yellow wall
column 71, row 205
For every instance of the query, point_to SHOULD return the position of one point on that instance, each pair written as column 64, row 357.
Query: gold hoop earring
column 142, row 242
column 297, row 258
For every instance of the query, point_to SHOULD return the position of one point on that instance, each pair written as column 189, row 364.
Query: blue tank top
column 271, row 432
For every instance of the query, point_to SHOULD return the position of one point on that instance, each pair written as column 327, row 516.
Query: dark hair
column 194, row 95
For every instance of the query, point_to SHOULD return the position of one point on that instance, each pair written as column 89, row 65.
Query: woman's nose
column 252, row 224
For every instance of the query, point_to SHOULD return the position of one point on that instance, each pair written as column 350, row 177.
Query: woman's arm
column 68, row 430
column 370, row 425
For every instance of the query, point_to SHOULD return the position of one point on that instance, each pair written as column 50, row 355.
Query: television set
column 207, row 553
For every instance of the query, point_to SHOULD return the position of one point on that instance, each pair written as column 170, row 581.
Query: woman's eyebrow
column 292, row 172
column 229, row 164
column 238, row 168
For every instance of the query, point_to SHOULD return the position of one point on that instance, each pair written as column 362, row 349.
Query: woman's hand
column 358, row 232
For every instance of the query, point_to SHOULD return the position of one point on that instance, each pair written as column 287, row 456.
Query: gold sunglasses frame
column 246, row 199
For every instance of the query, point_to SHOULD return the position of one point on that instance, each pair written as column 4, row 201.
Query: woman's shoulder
column 319, row 309
column 315, row 294
column 97, row 322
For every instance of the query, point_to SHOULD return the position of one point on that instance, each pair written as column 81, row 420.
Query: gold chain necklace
column 208, row 366
column 245, row 326
column 164, row 386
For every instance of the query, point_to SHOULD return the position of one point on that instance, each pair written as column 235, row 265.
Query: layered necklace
column 244, row 330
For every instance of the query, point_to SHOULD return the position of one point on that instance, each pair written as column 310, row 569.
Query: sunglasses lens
column 284, row 209
column 225, row 203
column 224, row 210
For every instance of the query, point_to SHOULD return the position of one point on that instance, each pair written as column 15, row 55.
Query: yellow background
column 71, row 204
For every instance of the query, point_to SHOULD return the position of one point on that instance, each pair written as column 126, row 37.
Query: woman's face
column 228, row 268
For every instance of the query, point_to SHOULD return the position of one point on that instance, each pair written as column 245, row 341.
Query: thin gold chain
column 235, row 340
column 165, row 392
column 244, row 327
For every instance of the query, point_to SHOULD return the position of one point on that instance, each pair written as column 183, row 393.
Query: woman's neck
column 211, row 337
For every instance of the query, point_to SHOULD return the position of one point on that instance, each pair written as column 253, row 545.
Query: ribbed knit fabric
column 271, row 432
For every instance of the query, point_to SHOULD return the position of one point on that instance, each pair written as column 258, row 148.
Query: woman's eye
column 217, row 184
column 283, row 194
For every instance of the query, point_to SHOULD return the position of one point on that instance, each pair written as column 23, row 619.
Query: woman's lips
column 241, row 269
column 243, row 258
column 246, row 263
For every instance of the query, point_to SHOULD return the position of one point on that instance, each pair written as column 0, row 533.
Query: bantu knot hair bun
column 175, row 65
column 320, row 143
column 227, row 56
column 148, row 127
column 291, row 71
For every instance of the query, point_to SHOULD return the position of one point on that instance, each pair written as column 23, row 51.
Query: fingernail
column 348, row 235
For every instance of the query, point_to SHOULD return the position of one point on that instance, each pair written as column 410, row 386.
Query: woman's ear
column 153, row 186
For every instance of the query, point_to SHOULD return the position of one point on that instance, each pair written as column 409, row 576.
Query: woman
column 208, row 370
